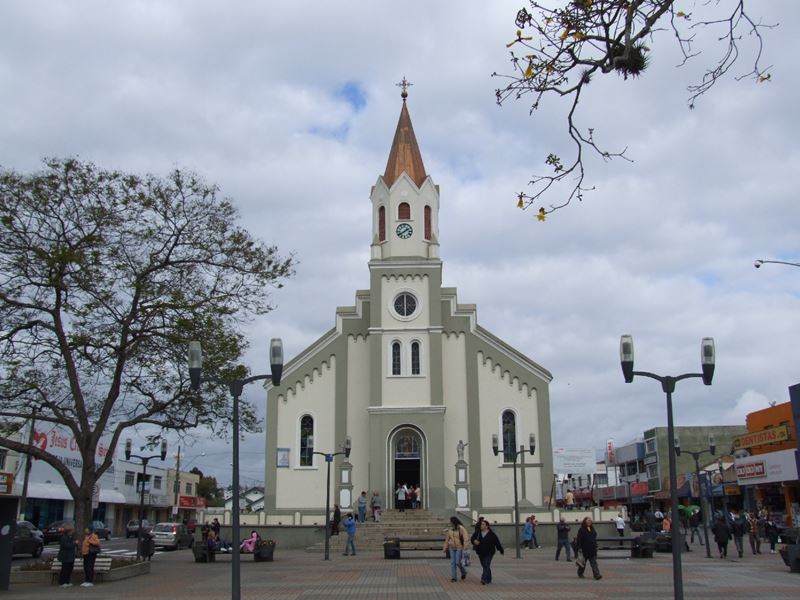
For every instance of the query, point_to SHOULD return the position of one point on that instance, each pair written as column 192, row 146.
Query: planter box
column 791, row 556
column 263, row 553
column 141, row 568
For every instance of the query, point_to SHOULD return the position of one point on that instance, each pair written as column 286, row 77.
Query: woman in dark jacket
column 587, row 546
column 67, row 548
column 485, row 543
column 722, row 535
column 771, row 531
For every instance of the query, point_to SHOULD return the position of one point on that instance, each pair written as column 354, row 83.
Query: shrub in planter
column 263, row 550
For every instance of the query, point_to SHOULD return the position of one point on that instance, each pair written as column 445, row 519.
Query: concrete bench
column 102, row 565
column 639, row 546
column 392, row 546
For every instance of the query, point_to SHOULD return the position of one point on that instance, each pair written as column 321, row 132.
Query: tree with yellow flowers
column 557, row 51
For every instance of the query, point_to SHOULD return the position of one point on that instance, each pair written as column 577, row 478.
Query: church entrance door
column 406, row 452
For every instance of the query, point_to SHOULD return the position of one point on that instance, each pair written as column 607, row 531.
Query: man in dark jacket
column 485, row 543
column 563, row 538
column 67, row 547
column 722, row 535
column 587, row 545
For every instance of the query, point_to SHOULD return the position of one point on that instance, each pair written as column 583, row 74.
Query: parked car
column 132, row 528
column 26, row 542
column 172, row 535
column 53, row 531
column 32, row 528
column 101, row 530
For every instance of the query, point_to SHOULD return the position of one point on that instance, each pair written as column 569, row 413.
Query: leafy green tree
column 209, row 489
column 560, row 47
column 104, row 279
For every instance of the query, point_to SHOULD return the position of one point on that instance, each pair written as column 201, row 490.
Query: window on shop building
column 188, row 489
column 652, row 471
column 130, row 476
column 157, row 483
column 650, row 446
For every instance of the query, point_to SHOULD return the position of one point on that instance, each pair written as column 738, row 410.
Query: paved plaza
column 301, row 575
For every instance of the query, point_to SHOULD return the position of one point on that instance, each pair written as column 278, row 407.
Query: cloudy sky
column 291, row 107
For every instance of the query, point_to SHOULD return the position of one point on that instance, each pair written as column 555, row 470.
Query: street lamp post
column 668, row 386
column 712, row 450
column 517, row 453
column 757, row 264
column 725, row 512
column 328, row 460
column 235, row 387
column 145, row 460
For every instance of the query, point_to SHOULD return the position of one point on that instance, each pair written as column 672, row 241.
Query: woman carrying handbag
column 90, row 548
column 456, row 542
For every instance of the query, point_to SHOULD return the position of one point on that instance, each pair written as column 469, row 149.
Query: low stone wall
column 290, row 537
column 140, row 568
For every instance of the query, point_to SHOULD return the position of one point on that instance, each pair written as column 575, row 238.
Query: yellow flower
column 680, row 13
column 520, row 203
column 541, row 215
column 529, row 70
column 564, row 35
column 579, row 36
column 763, row 78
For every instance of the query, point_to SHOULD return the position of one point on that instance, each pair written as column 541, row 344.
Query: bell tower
column 405, row 201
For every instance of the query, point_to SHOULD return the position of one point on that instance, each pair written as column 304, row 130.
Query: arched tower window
column 395, row 358
column 404, row 211
column 428, row 226
column 306, row 441
column 415, row 358
column 382, row 224
column 509, row 436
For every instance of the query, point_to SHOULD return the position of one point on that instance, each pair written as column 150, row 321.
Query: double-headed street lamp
column 668, row 386
column 329, row 459
column 712, row 450
column 235, row 387
column 757, row 264
column 517, row 453
column 145, row 460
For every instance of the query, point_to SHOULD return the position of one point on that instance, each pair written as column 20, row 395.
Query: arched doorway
column 406, row 459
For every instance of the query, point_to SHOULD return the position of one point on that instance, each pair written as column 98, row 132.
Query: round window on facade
column 405, row 304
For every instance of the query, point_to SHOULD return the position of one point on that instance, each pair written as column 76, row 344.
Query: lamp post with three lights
column 668, row 386
column 517, row 453
column 235, row 386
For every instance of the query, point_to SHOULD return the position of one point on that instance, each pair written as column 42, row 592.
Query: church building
column 409, row 379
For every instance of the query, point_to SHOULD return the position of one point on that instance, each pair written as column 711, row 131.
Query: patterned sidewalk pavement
column 305, row 576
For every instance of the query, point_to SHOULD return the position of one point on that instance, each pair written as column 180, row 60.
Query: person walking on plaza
column 771, row 531
column 350, row 528
column 455, row 542
column 694, row 524
column 90, row 548
column 722, row 535
column 527, row 534
column 362, row 507
column 752, row 533
column 375, row 504
column 562, row 532
column 67, row 548
column 534, row 525
column 485, row 543
column 619, row 523
column 738, row 529
column 587, row 548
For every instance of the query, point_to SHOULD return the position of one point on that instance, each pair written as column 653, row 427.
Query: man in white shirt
column 619, row 522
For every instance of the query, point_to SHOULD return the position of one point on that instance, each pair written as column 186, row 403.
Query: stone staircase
column 370, row 536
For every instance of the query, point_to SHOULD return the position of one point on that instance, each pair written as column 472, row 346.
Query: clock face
column 404, row 231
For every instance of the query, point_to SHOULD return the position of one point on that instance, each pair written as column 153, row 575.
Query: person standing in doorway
column 401, row 494
column 350, row 528
column 587, row 546
column 67, row 548
column 362, row 507
column 485, row 543
column 562, row 531
column 455, row 542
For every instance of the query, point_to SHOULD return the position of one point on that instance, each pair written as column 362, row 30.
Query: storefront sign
column 771, row 467
column 751, row 469
column 610, row 458
column 6, row 483
column 574, row 461
column 760, row 438
column 191, row 502
column 639, row 488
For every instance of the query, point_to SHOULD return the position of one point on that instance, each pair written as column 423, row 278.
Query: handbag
column 466, row 559
column 580, row 559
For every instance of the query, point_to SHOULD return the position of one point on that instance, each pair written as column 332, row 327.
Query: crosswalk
column 50, row 552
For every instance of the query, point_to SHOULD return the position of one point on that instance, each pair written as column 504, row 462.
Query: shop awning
column 111, row 496
column 55, row 491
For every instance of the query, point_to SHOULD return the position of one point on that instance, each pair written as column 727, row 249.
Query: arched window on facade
column 428, row 226
column 415, row 358
column 404, row 211
column 396, row 358
column 306, row 441
column 382, row 224
column 509, row 436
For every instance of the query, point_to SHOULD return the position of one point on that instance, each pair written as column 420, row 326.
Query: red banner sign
column 191, row 502
column 639, row 488
column 752, row 469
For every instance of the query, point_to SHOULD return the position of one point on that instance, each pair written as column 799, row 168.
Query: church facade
column 409, row 379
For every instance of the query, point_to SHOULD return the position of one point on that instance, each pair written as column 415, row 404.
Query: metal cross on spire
column 404, row 85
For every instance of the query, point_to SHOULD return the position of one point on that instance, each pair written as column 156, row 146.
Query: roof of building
column 404, row 155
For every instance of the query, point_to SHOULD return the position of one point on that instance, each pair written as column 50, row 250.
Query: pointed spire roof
column 404, row 155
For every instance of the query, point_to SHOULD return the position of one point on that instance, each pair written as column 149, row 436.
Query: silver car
column 172, row 535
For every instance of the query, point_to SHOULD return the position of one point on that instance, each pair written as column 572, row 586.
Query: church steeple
column 405, row 154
